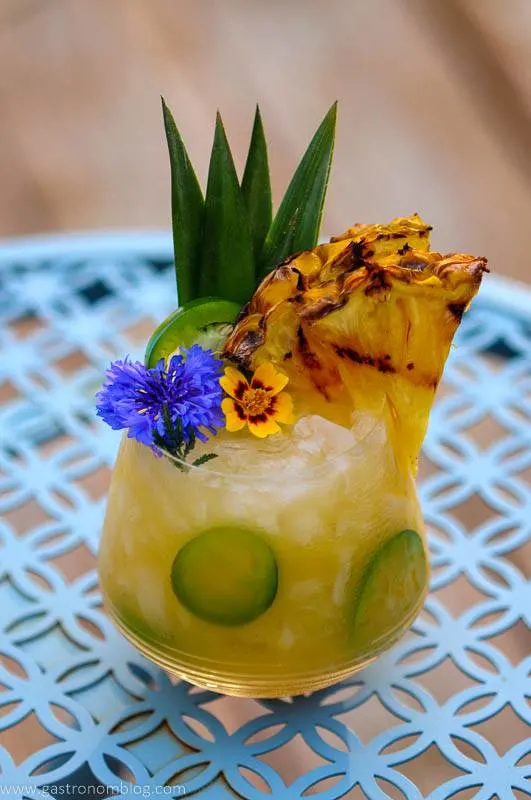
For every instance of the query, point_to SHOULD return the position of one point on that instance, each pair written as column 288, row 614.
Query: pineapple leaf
column 297, row 221
column 186, row 210
column 256, row 186
column 227, row 262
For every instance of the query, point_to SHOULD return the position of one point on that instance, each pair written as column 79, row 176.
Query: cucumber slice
column 225, row 575
column 391, row 588
column 204, row 321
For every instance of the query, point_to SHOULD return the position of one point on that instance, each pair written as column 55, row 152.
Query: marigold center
column 255, row 401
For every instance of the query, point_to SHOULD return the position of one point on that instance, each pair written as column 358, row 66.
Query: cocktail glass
column 280, row 567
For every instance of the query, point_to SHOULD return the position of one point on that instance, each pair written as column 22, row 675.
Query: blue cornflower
column 182, row 397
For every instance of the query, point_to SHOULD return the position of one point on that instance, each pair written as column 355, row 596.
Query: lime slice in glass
column 226, row 575
column 391, row 588
column 206, row 322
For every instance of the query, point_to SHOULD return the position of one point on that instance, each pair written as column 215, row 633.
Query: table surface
column 445, row 713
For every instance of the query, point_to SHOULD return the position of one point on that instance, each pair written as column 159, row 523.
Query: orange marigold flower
column 261, row 404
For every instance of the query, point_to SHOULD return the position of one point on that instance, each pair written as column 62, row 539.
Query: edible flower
column 259, row 403
column 168, row 406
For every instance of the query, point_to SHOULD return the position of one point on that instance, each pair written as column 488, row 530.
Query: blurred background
column 434, row 109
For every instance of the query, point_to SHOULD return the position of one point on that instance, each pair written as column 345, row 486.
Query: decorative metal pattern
column 447, row 710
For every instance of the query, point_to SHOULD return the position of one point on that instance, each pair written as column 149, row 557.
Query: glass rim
column 306, row 470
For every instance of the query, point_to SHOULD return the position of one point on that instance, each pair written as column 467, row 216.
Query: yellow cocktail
column 277, row 568
column 263, row 535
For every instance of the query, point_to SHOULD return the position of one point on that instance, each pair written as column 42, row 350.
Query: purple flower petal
column 187, row 388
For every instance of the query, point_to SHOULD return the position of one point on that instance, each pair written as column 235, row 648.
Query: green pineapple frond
column 227, row 241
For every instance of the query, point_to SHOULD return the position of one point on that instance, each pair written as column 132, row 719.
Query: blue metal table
column 445, row 714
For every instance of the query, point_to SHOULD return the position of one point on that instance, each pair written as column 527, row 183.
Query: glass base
column 252, row 686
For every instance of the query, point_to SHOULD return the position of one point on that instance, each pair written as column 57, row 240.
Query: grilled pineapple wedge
column 362, row 324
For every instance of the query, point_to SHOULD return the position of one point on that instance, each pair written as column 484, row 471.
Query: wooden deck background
column 435, row 108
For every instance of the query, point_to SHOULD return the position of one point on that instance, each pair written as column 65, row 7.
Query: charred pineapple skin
column 363, row 323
